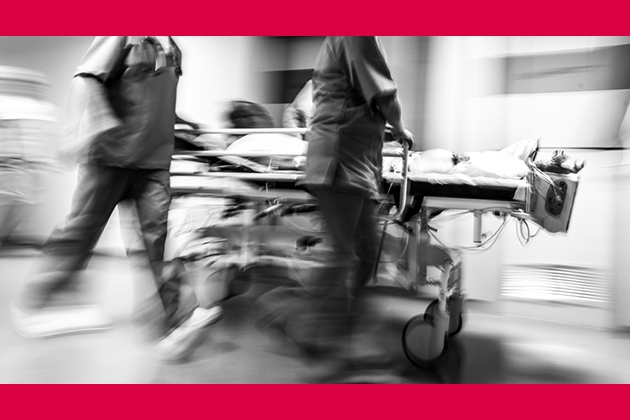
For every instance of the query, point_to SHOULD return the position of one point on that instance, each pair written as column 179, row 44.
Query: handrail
column 182, row 155
column 238, row 131
column 402, row 201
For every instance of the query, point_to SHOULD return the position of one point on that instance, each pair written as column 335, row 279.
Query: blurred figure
column 26, row 125
column 298, row 114
column 247, row 114
column 120, row 128
column 354, row 96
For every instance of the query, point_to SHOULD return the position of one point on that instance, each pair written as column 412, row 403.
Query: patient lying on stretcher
column 508, row 163
column 286, row 152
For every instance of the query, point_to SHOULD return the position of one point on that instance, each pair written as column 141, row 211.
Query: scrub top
column 347, row 131
column 140, row 77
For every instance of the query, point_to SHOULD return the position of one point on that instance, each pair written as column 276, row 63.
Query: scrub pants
column 351, row 220
column 319, row 313
column 99, row 190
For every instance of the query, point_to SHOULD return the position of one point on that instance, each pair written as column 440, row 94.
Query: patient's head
column 246, row 114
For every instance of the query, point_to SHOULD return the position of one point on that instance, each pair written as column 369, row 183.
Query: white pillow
column 276, row 148
column 271, row 143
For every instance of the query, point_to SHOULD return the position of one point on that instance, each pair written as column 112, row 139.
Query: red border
column 315, row 402
column 321, row 17
column 494, row 17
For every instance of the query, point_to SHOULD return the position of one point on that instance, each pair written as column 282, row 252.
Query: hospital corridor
column 493, row 348
column 222, row 210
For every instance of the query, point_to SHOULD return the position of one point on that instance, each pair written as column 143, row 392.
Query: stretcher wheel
column 458, row 325
column 418, row 342
column 456, row 321
column 455, row 307
column 430, row 311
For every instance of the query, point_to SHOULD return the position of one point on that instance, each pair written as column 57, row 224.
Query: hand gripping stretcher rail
column 545, row 199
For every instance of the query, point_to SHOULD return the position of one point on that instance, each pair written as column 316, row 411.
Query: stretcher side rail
column 270, row 175
column 244, row 131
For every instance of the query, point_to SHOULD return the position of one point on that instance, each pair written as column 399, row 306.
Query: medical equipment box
column 551, row 199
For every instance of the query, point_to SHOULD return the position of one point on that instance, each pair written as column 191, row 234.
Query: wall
column 216, row 70
column 57, row 58
column 273, row 58
column 485, row 93
column 408, row 58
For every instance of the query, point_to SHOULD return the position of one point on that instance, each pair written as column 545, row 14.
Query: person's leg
column 70, row 245
column 366, row 352
column 148, row 310
column 342, row 213
column 366, row 244
column 151, row 192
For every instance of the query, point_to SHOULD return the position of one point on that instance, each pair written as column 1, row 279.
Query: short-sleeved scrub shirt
column 140, row 77
column 347, row 131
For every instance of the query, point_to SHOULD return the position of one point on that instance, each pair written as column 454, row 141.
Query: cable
column 521, row 236
column 519, row 232
column 382, row 242
column 487, row 244
column 546, row 178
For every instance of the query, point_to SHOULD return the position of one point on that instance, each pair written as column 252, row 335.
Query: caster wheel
column 430, row 311
column 456, row 329
column 456, row 323
column 417, row 343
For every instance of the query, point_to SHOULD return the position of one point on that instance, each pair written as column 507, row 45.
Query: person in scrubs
column 122, row 112
column 354, row 96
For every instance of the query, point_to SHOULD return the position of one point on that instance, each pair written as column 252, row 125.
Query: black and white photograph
column 433, row 209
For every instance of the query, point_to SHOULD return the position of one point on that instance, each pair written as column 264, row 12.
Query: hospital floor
column 492, row 347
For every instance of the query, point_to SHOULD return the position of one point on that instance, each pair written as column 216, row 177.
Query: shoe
column 184, row 340
column 51, row 322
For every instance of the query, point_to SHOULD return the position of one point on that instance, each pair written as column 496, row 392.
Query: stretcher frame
column 424, row 337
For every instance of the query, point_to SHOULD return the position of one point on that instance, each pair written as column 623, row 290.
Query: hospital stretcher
column 545, row 199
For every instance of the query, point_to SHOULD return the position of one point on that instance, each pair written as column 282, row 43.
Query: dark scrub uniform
column 128, row 164
column 344, row 158
column 346, row 138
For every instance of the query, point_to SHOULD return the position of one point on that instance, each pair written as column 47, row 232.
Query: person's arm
column 89, row 113
column 392, row 111
column 369, row 71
